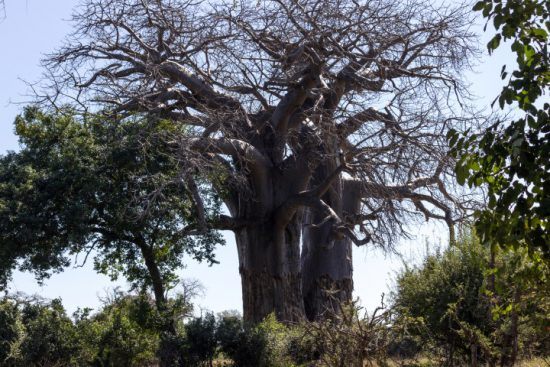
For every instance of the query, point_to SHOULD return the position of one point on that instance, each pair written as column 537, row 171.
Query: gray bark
column 327, row 264
column 269, row 248
column 269, row 265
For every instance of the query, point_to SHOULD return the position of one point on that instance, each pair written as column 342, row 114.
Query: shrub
column 120, row 334
column 200, row 344
column 11, row 332
column 349, row 337
column 50, row 336
column 245, row 346
column 445, row 291
column 264, row 345
column 477, row 307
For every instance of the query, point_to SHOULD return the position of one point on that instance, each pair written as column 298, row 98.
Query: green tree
column 453, row 278
column 114, row 190
column 511, row 158
column 200, row 344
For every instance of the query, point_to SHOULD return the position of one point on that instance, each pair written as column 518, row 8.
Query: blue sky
column 33, row 28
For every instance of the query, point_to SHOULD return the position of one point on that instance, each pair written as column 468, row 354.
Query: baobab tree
column 321, row 123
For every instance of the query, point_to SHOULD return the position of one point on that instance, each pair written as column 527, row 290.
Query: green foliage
column 245, row 347
column 527, row 24
column 123, row 333
column 112, row 187
column 278, row 341
column 264, row 345
column 11, row 332
column 38, row 333
column 468, row 306
column 50, row 336
column 522, row 292
column 200, row 343
column 34, row 333
column 511, row 159
column 455, row 277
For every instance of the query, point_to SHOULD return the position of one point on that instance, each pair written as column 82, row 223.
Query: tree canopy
column 113, row 190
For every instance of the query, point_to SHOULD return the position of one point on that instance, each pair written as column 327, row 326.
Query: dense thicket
column 118, row 335
column 469, row 311
column 125, row 332
column 452, row 309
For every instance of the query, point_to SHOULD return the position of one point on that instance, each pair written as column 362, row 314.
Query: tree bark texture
column 269, row 265
column 327, row 262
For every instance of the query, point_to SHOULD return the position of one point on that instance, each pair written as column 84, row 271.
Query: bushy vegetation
column 121, row 334
column 465, row 305
column 125, row 332
column 37, row 332
column 474, row 305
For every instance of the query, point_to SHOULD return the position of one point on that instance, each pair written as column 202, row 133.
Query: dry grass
column 420, row 362
column 427, row 362
column 537, row 362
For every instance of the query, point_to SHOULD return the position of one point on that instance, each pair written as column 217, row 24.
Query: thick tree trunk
column 269, row 264
column 327, row 271
column 327, row 266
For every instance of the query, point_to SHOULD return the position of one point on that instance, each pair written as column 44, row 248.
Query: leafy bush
column 476, row 306
column 11, row 332
column 121, row 334
column 50, row 336
column 445, row 290
column 245, row 347
column 200, row 344
column 264, row 345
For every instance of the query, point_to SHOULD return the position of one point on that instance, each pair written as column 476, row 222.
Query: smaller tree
column 111, row 189
column 200, row 343
column 50, row 336
column 123, row 333
column 454, row 277
column 246, row 345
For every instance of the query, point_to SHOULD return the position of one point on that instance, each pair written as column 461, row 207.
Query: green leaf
column 480, row 5
column 494, row 43
column 539, row 33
